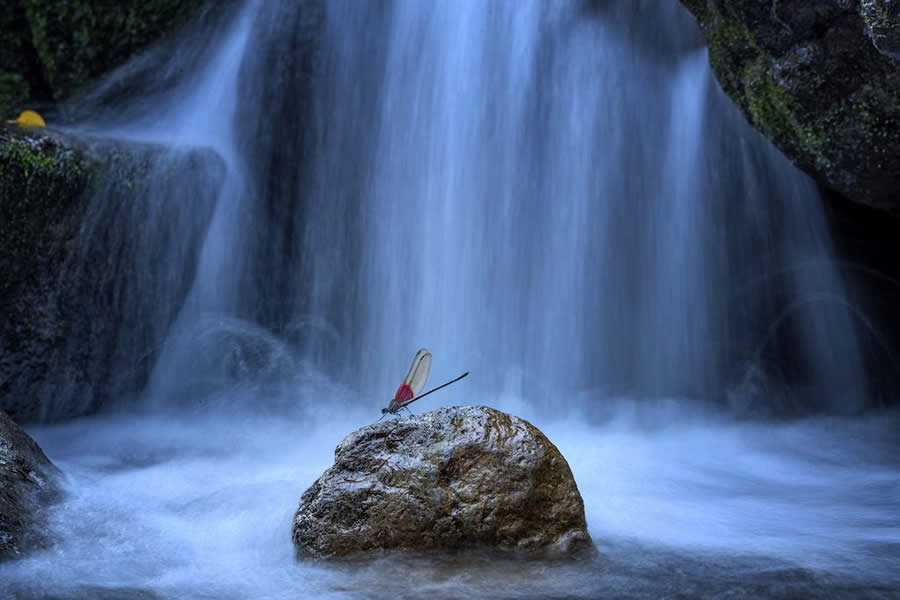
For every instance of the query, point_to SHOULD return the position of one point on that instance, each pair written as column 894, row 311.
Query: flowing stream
column 555, row 196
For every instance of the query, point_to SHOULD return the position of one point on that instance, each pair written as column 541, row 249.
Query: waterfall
column 549, row 197
column 556, row 197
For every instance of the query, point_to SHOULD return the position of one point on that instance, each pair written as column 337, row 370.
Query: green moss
column 774, row 113
column 725, row 35
column 41, row 183
column 39, row 167
column 825, row 97
column 746, row 74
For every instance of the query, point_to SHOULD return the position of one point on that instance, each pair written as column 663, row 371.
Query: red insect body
column 414, row 383
column 404, row 394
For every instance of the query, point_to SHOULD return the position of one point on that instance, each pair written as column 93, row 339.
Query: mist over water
column 554, row 196
column 199, row 505
column 543, row 193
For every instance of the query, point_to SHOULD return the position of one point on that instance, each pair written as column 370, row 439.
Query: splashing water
column 200, row 506
column 536, row 188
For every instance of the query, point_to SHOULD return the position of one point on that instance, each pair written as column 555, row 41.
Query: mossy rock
column 42, row 181
column 807, row 75
column 76, row 217
column 46, row 180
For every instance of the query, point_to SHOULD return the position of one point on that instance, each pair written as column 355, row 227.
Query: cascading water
column 555, row 196
column 505, row 192
column 543, row 199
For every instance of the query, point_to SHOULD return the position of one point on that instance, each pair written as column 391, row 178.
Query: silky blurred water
column 561, row 191
column 557, row 192
column 556, row 197
column 199, row 505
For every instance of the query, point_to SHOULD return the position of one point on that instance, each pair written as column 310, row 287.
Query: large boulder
column 28, row 483
column 456, row 477
column 98, row 239
column 820, row 79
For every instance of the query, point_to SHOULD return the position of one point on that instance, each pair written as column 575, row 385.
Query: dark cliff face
column 44, row 183
column 818, row 78
column 882, row 19
column 50, row 50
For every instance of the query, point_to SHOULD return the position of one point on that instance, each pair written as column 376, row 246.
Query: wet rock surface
column 456, row 477
column 882, row 19
column 28, row 483
column 820, row 79
column 76, row 215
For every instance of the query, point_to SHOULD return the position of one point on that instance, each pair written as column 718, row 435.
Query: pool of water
column 680, row 504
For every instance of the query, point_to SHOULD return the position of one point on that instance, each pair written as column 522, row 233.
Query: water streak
column 555, row 196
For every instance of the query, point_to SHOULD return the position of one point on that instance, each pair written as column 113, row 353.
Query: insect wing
column 418, row 371
column 414, row 382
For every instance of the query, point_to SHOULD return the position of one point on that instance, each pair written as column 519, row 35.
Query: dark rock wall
column 50, row 50
column 882, row 19
column 43, row 188
column 82, row 227
column 807, row 74
column 36, row 173
column 867, row 243
column 821, row 79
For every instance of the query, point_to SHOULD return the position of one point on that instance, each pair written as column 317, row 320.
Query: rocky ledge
column 28, row 483
column 453, row 478
column 83, row 220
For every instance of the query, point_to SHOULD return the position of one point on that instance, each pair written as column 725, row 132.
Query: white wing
column 418, row 371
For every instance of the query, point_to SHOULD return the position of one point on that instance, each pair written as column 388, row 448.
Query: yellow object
column 29, row 118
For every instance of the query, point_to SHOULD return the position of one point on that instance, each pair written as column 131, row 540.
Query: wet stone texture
column 456, row 477
column 28, row 484
column 882, row 19
column 821, row 79
column 85, row 227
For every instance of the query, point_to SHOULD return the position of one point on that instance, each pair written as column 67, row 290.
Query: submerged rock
column 453, row 478
column 28, row 483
